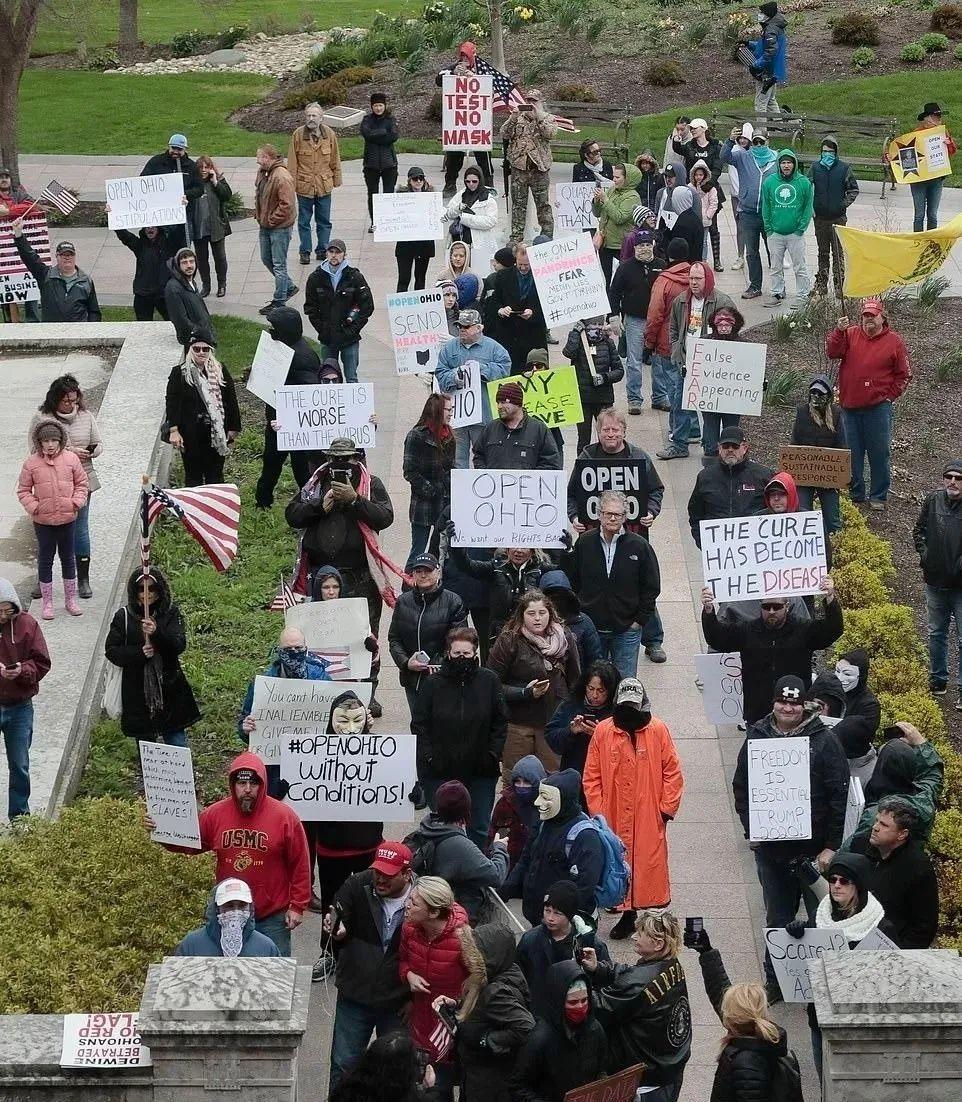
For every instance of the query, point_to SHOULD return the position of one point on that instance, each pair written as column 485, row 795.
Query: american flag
column 211, row 514
column 284, row 598
column 55, row 193
column 338, row 661
column 38, row 237
column 508, row 93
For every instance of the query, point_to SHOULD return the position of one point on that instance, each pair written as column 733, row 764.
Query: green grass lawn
column 160, row 20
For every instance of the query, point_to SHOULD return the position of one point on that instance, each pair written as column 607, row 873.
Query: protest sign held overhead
column 467, row 112
column 721, row 679
column 570, row 283
column 778, row 555
column 919, row 155
column 312, row 416
column 592, row 477
column 793, row 958
column 572, row 207
column 408, row 216
column 272, row 361
column 779, row 789
column 724, row 376
column 551, row 395
column 336, row 631
column 289, row 708
column 170, row 794
column 349, row 778
column 138, row 201
column 105, row 1040
column 419, row 329
column 468, row 409
column 826, row 468
column 508, row 508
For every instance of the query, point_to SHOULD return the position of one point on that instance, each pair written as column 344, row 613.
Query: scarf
column 763, row 155
column 232, row 925
column 469, row 198
column 384, row 572
column 293, row 661
column 208, row 384
column 596, row 170
column 525, row 283
column 552, row 646
column 682, row 199
column 856, row 926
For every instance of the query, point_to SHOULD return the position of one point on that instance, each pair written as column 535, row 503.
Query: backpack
column 616, row 874
column 422, row 853
column 786, row 1079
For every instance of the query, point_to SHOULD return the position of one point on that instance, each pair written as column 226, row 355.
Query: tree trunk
column 128, row 37
column 497, row 35
column 9, row 120
column 18, row 25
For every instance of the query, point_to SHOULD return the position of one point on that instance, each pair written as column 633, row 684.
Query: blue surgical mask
column 827, row 159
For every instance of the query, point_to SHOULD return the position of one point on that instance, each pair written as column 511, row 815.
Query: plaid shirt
column 427, row 466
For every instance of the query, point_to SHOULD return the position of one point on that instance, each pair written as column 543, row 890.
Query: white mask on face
column 847, row 674
column 232, row 925
column 548, row 801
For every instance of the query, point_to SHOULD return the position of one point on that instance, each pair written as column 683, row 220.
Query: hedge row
column 863, row 569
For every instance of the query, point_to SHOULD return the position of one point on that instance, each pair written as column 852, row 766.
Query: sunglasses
column 772, row 606
column 200, row 347
column 759, row 141
column 421, row 178
column 952, row 477
column 836, row 879
column 460, row 325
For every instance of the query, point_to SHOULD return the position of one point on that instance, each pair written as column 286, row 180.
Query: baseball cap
column 232, row 890
column 178, row 141
column 391, row 858
column 425, row 560
column 732, row 435
column 631, row 691
column 337, row 243
column 66, row 247
column 952, row 466
column 698, row 122
column 415, row 173
column 873, row 307
column 239, row 776
column 468, row 317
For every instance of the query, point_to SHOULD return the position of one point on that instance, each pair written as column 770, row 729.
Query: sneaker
column 656, row 654
column 773, row 993
column 304, row 258
column 375, row 709
column 719, row 267
column 634, row 409
column 270, row 306
column 324, row 967
column 672, row 453
column 877, row 506
column 937, row 688
column 775, row 300
column 738, row 265
column 624, row 927
column 292, row 292
column 751, row 293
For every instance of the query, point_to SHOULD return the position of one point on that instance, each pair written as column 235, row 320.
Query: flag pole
column 144, row 543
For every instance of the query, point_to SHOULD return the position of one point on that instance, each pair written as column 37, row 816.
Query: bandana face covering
column 294, row 661
column 232, row 925
column 593, row 333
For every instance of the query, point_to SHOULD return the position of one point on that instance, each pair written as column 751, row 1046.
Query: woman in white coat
column 473, row 218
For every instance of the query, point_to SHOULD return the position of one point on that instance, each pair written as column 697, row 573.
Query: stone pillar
column 891, row 1025
column 220, row 1028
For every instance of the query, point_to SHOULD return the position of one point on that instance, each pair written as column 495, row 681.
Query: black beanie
column 378, row 97
column 505, row 257
column 768, row 10
column 563, row 897
column 678, row 249
column 789, row 690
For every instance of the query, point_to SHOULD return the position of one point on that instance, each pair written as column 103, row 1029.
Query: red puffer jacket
column 440, row 963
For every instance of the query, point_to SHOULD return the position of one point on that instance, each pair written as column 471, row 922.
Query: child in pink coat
column 707, row 188
column 53, row 488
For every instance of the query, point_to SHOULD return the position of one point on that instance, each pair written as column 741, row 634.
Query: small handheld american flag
column 57, row 194
column 284, row 598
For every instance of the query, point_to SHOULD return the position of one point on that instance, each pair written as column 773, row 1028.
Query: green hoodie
column 614, row 211
column 787, row 204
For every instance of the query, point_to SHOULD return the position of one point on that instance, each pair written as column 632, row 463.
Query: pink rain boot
column 70, row 597
column 46, row 594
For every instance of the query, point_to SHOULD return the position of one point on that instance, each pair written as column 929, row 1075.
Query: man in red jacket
column 873, row 372
column 261, row 841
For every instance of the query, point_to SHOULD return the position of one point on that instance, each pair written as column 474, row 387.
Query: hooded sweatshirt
column 205, row 941
column 687, row 313
column 614, row 210
column 808, row 431
column 21, row 640
column 872, row 369
column 518, row 818
column 754, row 166
column 863, row 713
column 787, row 203
column 784, row 481
column 52, row 488
column 305, row 370
column 667, row 287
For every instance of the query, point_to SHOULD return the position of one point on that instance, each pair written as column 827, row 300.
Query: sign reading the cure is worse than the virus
column 467, row 104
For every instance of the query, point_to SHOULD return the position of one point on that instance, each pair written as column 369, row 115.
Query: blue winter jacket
column 750, row 176
column 494, row 360
column 205, row 941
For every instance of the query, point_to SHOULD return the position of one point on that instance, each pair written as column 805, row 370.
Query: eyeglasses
column 594, row 151
column 421, row 178
column 952, row 477
column 200, row 347
column 772, row 606
column 836, row 879
column 613, row 516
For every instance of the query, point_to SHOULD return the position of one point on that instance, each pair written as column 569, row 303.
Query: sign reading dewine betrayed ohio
column 508, row 508
column 779, row 789
column 467, row 111
column 747, row 558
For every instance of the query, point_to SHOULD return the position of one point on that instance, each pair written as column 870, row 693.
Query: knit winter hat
column 789, row 690
column 563, row 896
column 453, row 803
column 678, row 249
column 378, row 97
column 505, row 257
column 642, row 216
column 510, row 392
column 952, row 466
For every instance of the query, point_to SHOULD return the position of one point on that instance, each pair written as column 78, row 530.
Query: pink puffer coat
column 52, row 489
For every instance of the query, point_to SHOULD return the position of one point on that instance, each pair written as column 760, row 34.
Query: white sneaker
column 738, row 265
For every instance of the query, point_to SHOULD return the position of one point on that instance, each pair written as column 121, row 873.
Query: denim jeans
column 353, row 1025
column 81, row 532
column 794, row 244
column 16, row 723
column 942, row 605
column 464, row 438
column 55, row 539
column 481, row 790
column 275, row 927
column 621, row 648
column 782, row 892
column 320, row 207
column 926, row 197
column 751, row 227
column 711, row 427
column 420, row 534
column 870, row 431
column 349, row 356
column 635, row 346
column 274, row 245
column 831, row 513
column 174, row 738
column 682, row 423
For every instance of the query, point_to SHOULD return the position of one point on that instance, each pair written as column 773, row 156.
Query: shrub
column 947, row 20
column 863, row 58
column 858, row 586
column 234, row 205
column 866, row 548
column 374, row 46
column 330, row 90
column 957, row 52
column 934, row 43
column 332, row 59
column 914, row 52
column 855, row 29
column 101, row 60
column 230, row 36
column 576, row 93
column 696, row 32
column 187, row 43
column 885, row 631
column 664, row 73
column 897, row 675
column 786, row 388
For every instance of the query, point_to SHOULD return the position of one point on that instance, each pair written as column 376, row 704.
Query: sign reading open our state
column 778, row 555
column 138, row 201
column 419, row 329
column 570, row 283
column 408, row 216
column 467, row 111
column 311, row 417
column 724, row 376
column 508, row 508
column 551, row 395
column 779, row 789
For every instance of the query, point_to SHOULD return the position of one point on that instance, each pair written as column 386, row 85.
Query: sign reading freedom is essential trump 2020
column 778, row 555
column 779, row 789
column 508, row 508
column 570, row 283
column 138, row 201
column 467, row 111
column 311, row 417
column 419, row 329
column 724, row 376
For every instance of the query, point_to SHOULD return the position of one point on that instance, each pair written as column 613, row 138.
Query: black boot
column 205, row 290
column 35, row 593
column 624, row 927
column 221, row 290
column 83, row 578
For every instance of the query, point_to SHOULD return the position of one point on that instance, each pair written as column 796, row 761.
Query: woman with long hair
column 416, row 254
column 818, row 423
column 536, row 657
column 473, row 217
column 592, row 699
column 379, row 131
column 428, row 462
column 203, row 416
column 391, row 1069
column 210, row 225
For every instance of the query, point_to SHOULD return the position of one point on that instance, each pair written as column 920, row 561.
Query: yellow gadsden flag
column 874, row 262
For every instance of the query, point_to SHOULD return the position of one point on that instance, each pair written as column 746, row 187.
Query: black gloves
column 697, row 941
column 646, row 355
column 370, row 643
column 796, row 928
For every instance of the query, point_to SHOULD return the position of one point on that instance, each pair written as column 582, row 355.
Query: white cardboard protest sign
column 668, row 217
column 336, row 630
column 103, row 1041
column 467, row 111
column 776, row 555
column 312, row 416
column 468, row 409
column 724, row 376
column 408, row 216
column 793, row 957
column 572, row 207
column 569, row 280
column 419, row 329
column 854, row 805
column 779, row 789
column 272, row 361
column 138, row 201
column 287, row 708
column 721, row 679
column 350, row 778
column 508, row 508
column 15, row 289
column 875, row 939
column 170, row 793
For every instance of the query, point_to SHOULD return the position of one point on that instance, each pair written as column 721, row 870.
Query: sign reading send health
column 419, row 329
column 312, row 416
column 779, row 789
column 778, row 555
column 724, row 376
column 551, row 395
column 138, row 201
column 570, row 283
column 508, row 508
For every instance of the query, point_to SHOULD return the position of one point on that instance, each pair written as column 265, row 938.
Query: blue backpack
column 616, row 874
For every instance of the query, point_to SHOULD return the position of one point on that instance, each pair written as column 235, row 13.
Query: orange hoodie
column 666, row 288
column 787, row 483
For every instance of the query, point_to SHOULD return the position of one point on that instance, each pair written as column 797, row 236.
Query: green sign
column 551, row 395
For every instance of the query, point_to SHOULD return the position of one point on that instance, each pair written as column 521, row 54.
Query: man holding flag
column 66, row 292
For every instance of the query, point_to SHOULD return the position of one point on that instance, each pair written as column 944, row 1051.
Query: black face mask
column 462, row 667
column 593, row 333
column 631, row 719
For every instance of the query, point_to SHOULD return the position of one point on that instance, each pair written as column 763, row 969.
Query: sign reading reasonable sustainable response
column 508, row 508
column 105, row 1040
column 138, row 201
column 779, row 789
column 467, row 111
column 570, row 283
column 721, row 679
column 777, row 555
column 408, row 216
column 724, row 376
column 272, row 361
column 468, row 409
column 336, row 631
column 826, row 468
column 286, row 708
column 419, row 329
column 592, row 477
column 793, row 958
column 349, row 778
column 312, row 416
column 551, row 395
column 919, row 155
column 572, row 207
column 169, row 790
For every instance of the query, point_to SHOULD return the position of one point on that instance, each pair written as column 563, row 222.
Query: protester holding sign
column 338, row 303
column 66, row 292
column 153, row 252
column 380, row 133
column 614, row 207
column 514, row 298
column 509, row 574
column 515, row 441
column 725, row 324
column 594, row 354
column 819, row 424
column 427, row 465
column 927, row 194
column 175, row 159
column 473, row 218
column 734, row 486
column 454, row 159
column 416, row 254
column 630, row 296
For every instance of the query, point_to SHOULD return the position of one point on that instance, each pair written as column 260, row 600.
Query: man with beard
column 186, row 308
column 174, row 159
column 732, row 486
column 314, row 162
